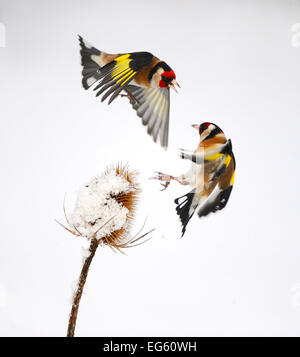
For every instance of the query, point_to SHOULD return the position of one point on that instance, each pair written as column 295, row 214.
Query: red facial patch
column 163, row 84
column 169, row 75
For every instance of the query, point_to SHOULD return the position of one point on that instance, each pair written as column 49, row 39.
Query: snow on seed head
column 105, row 206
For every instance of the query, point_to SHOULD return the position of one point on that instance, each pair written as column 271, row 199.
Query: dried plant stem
column 82, row 279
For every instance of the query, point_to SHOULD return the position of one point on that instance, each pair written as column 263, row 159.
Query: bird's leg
column 130, row 96
column 182, row 179
column 163, row 177
column 168, row 178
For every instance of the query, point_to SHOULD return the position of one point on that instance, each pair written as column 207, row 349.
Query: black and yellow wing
column 112, row 72
column 153, row 106
column 117, row 75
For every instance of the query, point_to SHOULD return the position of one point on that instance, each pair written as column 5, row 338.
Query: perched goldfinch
column 145, row 79
column 211, row 175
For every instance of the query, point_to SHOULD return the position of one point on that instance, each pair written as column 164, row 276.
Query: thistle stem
column 82, row 279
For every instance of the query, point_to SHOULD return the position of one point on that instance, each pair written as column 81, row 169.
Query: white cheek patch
column 154, row 83
column 207, row 131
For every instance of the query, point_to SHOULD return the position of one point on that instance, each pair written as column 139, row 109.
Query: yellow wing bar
column 213, row 156
column 122, row 72
column 232, row 179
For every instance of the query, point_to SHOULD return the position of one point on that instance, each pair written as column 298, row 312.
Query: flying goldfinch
column 211, row 175
column 143, row 77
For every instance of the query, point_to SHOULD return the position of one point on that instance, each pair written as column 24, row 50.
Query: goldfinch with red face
column 211, row 175
column 144, row 78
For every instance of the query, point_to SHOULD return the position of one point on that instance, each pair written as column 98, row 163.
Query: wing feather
column 117, row 74
column 114, row 77
column 153, row 106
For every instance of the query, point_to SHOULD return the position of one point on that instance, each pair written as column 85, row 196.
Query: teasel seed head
column 105, row 208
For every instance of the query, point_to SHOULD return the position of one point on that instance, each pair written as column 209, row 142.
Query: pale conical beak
column 196, row 126
column 172, row 85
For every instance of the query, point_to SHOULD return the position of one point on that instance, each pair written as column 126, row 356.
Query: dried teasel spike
column 69, row 230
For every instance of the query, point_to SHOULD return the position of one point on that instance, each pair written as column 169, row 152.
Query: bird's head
column 168, row 80
column 163, row 76
column 207, row 130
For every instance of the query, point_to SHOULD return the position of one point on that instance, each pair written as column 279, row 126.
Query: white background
column 235, row 273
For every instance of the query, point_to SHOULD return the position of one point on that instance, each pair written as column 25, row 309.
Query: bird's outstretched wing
column 115, row 75
column 153, row 106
